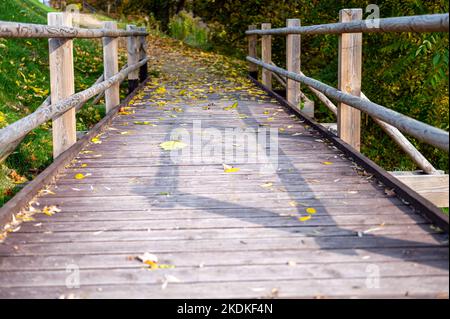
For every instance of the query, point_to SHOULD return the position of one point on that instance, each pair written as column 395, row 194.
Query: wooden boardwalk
column 216, row 233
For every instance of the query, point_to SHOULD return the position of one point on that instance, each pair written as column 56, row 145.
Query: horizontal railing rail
column 422, row 23
column 63, row 103
column 393, row 132
column 424, row 132
column 27, row 30
column 25, row 125
column 349, row 95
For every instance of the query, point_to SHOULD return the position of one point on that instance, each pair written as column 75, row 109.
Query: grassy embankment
column 24, row 85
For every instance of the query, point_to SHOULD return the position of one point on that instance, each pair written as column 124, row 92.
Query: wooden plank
column 430, row 287
column 235, row 258
column 223, row 220
column 434, row 188
column 266, row 54
column 349, row 80
column 62, row 84
column 213, row 233
column 111, row 66
column 219, row 274
column 191, row 245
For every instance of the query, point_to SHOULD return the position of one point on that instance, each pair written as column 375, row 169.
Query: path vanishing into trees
column 130, row 219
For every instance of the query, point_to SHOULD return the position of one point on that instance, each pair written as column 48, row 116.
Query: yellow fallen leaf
column 230, row 169
column 327, row 163
column 96, row 140
column 84, row 165
column 144, row 123
column 161, row 90
column 172, row 145
column 311, row 210
column 267, row 185
column 79, row 176
column 304, row 218
column 50, row 210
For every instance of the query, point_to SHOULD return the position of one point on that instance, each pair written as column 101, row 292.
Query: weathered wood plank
column 265, row 231
column 430, row 287
column 435, row 188
column 235, row 258
column 132, row 247
column 219, row 274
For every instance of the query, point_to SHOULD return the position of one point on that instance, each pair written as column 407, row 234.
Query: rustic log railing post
column 62, row 84
column 143, row 71
column 133, row 58
column 266, row 54
column 252, row 52
column 111, row 66
column 293, row 63
column 350, row 60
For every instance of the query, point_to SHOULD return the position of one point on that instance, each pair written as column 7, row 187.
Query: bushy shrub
column 189, row 29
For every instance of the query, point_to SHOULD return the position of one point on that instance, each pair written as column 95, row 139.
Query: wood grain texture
column 421, row 23
column 29, row 30
column 62, row 84
column 133, row 52
column 225, row 234
column 435, row 188
column 266, row 55
column 293, row 64
column 349, row 80
column 111, row 67
column 422, row 131
column 252, row 49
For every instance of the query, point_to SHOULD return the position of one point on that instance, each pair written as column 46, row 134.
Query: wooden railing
column 63, row 102
column 351, row 100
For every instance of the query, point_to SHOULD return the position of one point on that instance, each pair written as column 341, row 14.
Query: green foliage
column 24, row 84
column 406, row 72
column 189, row 29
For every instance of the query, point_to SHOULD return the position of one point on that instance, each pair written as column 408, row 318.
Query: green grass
column 190, row 30
column 24, row 84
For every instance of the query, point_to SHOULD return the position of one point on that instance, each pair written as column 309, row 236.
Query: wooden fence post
column 266, row 53
column 62, row 84
column 111, row 66
column 252, row 52
column 143, row 71
column 293, row 51
column 133, row 58
column 350, row 60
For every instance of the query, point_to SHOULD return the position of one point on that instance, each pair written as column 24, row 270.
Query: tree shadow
column 322, row 226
